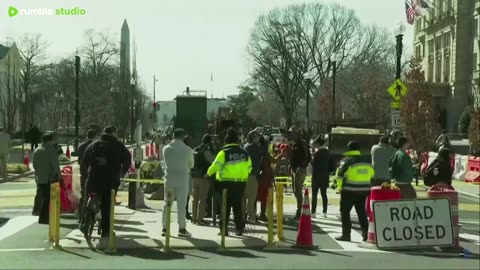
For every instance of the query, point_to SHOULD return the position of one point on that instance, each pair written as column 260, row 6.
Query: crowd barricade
column 473, row 170
column 69, row 202
column 460, row 168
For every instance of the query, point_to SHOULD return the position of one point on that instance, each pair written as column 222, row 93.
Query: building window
column 475, row 61
column 438, row 43
column 475, row 27
column 430, row 71
column 446, row 40
column 438, row 70
column 418, row 52
column 446, row 70
column 440, row 9
column 430, row 47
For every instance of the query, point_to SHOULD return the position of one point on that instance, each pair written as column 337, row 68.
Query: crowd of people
column 245, row 171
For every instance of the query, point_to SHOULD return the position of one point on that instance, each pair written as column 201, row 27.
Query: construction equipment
column 192, row 114
column 339, row 137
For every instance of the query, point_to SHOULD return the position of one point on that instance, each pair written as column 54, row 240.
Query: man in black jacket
column 106, row 160
column 321, row 167
column 299, row 158
column 91, row 136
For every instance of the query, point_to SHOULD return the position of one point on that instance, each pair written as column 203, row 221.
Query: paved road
column 24, row 242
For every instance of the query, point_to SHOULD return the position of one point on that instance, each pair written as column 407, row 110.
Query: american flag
column 410, row 12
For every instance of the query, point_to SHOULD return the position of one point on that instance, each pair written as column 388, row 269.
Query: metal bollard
column 223, row 226
column 54, row 216
column 169, row 217
column 111, row 236
column 279, row 188
column 270, row 217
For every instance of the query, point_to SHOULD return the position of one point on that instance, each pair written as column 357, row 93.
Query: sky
column 180, row 41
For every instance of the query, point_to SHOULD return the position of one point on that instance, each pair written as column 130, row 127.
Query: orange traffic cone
column 305, row 236
column 67, row 153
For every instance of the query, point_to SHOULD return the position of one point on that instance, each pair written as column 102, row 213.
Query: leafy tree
column 418, row 113
column 240, row 103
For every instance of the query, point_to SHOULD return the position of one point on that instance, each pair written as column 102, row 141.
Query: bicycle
column 92, row 216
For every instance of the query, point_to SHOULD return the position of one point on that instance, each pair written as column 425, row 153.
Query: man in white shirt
column 179, row 161
column 4, row 146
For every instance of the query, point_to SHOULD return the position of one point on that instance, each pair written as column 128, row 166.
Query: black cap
column 353, row 145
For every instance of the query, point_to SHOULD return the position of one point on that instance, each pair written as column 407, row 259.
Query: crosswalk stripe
column 475, row 238
column 15, row 225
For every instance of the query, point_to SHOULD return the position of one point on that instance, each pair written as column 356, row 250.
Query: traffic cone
column 305, row 235
column 26, row 159
column 67, row 153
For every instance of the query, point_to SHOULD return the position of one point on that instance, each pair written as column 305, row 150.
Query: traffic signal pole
column 154, row 103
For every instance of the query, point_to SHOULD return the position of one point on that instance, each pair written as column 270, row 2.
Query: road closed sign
column 413, row 223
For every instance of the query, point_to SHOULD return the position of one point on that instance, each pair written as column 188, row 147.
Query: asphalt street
column 23, row 245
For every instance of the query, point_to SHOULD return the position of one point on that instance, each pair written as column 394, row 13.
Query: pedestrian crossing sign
column 398, row 90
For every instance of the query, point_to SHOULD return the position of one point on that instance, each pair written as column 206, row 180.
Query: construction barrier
column 279, row 201
column 270, row 217
column 223, row 227
column 111, row 234
column 54, row 216
column 378, row 194
column 460, row 168
column 445, row 191
column 473, row 170
column 169, row 219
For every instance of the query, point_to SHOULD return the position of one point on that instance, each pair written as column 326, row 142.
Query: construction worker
column 353, row 180
column 232, row 167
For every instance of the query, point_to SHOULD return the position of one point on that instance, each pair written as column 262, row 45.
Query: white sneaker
column 324, row 215
column 103, row 244
column 314, row 215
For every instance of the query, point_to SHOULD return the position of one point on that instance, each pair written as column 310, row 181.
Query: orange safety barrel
column 446, row 191
column 378, row 194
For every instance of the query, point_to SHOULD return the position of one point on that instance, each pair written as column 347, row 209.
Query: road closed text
column 419, row 232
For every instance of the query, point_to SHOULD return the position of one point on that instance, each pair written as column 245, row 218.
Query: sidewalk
column 467, row 189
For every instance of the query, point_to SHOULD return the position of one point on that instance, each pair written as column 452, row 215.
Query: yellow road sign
column 395, row 105
column 398, row 90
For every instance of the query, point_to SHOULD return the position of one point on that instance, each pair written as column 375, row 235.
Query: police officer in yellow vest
column 353, row 178
column 232, row 167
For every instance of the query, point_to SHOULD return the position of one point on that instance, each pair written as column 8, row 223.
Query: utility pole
column 132, row 118
column 77, row 99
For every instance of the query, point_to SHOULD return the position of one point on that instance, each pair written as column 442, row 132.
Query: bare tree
column 288, row 45
column 32, row 50
column 10, row 94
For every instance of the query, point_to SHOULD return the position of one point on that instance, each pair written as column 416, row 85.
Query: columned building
column 444, row 42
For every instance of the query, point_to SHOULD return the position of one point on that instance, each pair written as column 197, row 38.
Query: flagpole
column 211, row 84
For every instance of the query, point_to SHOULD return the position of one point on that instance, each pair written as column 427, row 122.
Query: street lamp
column 334, row 59
column 24, row 123
column 398, row 32
column 308, row 80
column 154, row 103
column 132, row 127
column 77, row 99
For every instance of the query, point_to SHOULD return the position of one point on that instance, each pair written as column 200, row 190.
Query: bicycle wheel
column 89, row 223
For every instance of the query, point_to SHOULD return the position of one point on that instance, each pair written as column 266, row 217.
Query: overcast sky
column 180, row 41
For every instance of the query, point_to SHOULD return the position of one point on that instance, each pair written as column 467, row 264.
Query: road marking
column 474, row 238
column 16, row 210
column 21, row 249
column 15, row 225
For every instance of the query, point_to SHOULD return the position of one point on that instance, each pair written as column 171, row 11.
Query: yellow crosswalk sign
column 398, row 90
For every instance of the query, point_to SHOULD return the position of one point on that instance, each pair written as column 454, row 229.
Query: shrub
column 17, row 168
